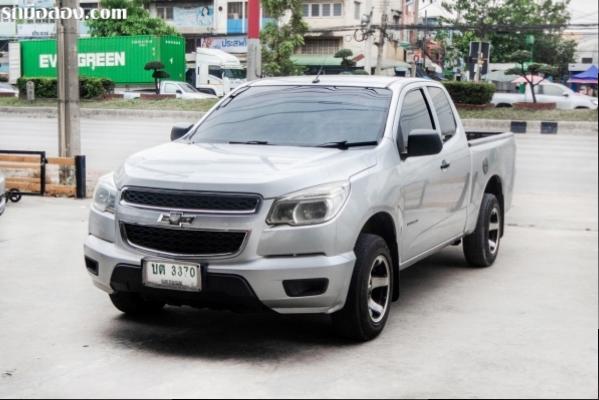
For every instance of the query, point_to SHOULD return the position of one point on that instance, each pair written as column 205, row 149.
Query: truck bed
column 480, row 137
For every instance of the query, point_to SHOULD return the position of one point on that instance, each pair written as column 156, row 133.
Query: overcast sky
column 584, row 11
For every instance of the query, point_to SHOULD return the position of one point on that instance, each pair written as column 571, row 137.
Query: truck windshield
column 234, row 73
column 298, row 116
column 187, row 88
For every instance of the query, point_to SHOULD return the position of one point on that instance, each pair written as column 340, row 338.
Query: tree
column 280, row 42
column 345, row 55
column 138, row 21
column 158, row 74
column 482, row 16
column 529, row 72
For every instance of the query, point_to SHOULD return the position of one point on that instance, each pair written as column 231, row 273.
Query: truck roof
column 218, row 54
column 339, row 80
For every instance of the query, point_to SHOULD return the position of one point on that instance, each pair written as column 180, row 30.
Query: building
column 336, row 24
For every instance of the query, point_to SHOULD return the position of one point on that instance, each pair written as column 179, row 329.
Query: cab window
column 169, row 88
column 444, row 112
column 415, row 114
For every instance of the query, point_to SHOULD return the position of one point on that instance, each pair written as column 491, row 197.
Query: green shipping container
column 120, row 58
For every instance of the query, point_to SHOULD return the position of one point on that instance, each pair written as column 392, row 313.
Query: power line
column 465, row 28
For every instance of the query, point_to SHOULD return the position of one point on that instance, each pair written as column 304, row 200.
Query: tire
column 134, row 304
column 482, row 245
column 360, row 319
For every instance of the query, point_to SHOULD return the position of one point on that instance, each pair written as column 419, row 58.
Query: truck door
column 455, row 168
column 428, row 189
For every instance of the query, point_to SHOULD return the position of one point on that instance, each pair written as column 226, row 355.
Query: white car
column 564, row 97
column 182, row 90
column 8, row 88
column 2, row 194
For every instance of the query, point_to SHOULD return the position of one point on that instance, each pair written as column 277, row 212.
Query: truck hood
column 268, row 170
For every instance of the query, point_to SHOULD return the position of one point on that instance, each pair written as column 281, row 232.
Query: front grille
column 192, row 201
column 184, row 242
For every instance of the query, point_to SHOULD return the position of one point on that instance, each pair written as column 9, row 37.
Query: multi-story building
column 335, row 25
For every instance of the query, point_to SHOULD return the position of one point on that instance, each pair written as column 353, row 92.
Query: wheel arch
column 383, row 225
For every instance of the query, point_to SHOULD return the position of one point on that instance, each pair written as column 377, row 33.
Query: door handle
column 445, row 165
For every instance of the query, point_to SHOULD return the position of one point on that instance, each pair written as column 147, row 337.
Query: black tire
column 478, row 246
column 134, row 304
column 356, row 321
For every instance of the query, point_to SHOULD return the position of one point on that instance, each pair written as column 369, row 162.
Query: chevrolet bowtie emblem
column 175, row 218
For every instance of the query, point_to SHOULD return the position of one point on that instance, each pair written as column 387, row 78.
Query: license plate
column 172, row 275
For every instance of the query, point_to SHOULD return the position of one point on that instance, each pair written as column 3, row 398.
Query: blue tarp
column 590, row 73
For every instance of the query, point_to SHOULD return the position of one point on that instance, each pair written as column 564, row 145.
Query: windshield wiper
column 264, row 142
column 344, row 144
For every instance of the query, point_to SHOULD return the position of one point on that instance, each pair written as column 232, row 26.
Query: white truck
column 549, row 92
column 182, row 90
column 301, row 195
column 217, row 72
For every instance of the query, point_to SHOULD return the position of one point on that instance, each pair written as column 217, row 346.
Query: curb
column 533, row 127
column 519, row 127
column 103, row 113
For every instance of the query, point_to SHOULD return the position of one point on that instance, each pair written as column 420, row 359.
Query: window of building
column 235, row 10
column 337, row 9
column 357, row 13
column 315, row 10
column 320, row 46
column 164, row 12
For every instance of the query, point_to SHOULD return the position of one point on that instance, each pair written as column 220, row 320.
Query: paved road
column 525, row 327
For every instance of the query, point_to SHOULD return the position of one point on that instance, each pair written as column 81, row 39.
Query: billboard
column 230, row 44
column 121, row 59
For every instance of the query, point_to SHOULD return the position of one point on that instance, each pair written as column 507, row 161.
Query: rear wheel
column 134, row 304
column 482, row 245
column 369, row 299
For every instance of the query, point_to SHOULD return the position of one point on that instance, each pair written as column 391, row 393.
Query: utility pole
column 367, row 47
column 381, row 41
column 254, row 57
column 67, row 32
column 424, row 41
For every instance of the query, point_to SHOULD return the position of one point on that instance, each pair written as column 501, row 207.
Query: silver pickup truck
column 301, row 195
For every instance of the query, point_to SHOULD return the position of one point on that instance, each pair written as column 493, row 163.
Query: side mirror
column 424, row 142
column 179, row 131
column 566, row 94
column 179, row 91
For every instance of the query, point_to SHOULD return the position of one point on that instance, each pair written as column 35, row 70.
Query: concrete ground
column 526, row 327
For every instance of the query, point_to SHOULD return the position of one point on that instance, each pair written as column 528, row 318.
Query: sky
column 584, row 11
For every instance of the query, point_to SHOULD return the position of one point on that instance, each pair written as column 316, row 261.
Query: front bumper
column 264, row 275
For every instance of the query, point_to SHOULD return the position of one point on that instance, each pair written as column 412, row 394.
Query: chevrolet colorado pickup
column 301, row 195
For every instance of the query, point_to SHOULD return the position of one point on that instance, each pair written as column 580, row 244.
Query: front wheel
column 482, row 245
column 368, row 302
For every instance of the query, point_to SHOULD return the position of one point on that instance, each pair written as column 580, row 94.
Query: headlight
column 105, row 194
column 310, row 206
column 594, row 101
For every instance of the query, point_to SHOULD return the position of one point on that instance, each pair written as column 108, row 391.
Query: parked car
column 182, row 90
column 564, row 97
column 301, row 195
column 8, row 88
column 3, row 198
